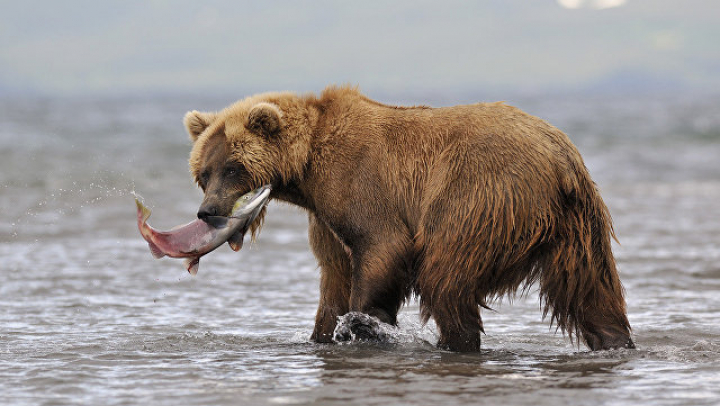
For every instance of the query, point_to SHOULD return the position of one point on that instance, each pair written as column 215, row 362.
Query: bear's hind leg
column 580, row 283
column 593, row 309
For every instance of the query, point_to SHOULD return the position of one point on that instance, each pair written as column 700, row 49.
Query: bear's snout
column 207, row 210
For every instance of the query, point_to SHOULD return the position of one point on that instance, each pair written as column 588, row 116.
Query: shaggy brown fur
column 458, row 205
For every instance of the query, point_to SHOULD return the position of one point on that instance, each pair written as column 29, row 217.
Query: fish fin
column 192, row 265
column 144, row 211
column 235, row 243
column 155, row 250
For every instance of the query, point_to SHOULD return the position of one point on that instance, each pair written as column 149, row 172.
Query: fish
column 197, row 238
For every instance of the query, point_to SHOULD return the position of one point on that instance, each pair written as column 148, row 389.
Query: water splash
column 356, row 327
column 39, row 211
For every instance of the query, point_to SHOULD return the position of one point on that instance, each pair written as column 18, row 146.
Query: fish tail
column 143, row 211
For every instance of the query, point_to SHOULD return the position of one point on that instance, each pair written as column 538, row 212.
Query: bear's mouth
column 243, row 215
column 236, row 240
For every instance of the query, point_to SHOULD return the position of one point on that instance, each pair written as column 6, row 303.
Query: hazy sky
column 77, row 47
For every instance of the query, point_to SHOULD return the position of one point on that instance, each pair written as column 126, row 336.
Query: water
column 89, row 317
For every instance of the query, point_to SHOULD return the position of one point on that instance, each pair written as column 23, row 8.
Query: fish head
column 245, row 211
column 250, row 204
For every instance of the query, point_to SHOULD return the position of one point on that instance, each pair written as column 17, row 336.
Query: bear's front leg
column 335, row 279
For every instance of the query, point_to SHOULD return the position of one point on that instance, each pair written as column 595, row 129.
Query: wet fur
column 458, row 205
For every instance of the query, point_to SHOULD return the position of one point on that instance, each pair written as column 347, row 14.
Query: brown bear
column 457, row 205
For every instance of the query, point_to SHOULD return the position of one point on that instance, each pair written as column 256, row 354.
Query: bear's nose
column 206, row 211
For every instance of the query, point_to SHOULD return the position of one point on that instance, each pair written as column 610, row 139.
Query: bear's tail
column 579, row 283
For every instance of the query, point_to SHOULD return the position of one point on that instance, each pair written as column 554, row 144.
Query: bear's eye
column 233, row 170
column 204, row 177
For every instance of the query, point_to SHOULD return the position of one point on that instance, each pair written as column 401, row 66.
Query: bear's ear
column 196, row 122
column 265, row 119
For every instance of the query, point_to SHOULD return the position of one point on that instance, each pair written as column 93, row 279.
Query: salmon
column 197, row 238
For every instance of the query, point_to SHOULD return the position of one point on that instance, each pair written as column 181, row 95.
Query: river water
column 87, row 316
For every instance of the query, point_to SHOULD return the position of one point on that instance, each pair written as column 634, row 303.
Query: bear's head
column 263, row 139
